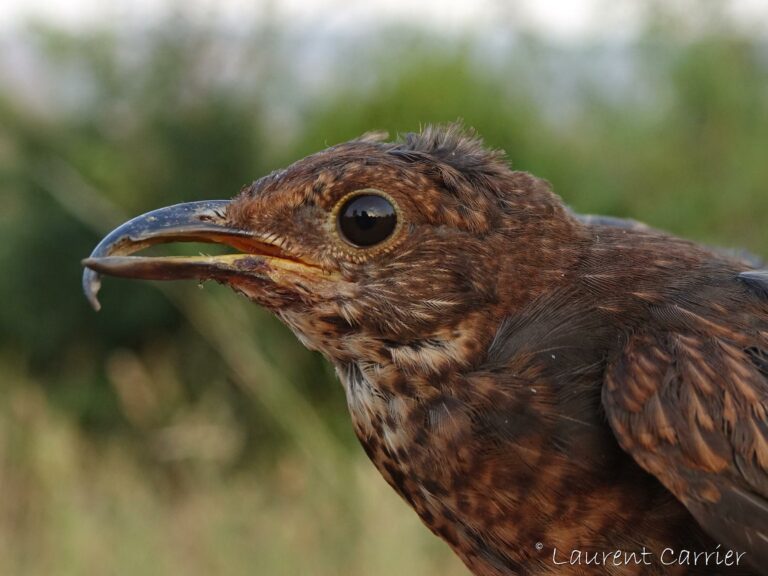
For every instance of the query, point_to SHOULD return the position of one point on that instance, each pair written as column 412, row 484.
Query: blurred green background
column 184, row 431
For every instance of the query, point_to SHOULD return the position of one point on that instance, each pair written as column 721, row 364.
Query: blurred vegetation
column 185, row 431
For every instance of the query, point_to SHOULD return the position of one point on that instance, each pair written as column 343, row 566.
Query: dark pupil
column 367, row 220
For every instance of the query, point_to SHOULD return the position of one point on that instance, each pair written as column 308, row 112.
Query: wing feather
column 690, row 404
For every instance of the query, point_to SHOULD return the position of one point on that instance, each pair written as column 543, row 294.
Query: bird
column 552, row 393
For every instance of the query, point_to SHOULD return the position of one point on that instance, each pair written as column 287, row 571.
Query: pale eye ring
column 366, row 219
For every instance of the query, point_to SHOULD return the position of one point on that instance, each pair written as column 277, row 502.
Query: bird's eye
column 366, row 220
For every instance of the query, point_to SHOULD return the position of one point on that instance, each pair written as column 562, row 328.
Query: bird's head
column 369, row 243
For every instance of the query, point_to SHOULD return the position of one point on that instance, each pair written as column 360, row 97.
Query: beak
column 191, row 222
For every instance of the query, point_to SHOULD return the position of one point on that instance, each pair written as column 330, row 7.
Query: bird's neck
column 484, row 449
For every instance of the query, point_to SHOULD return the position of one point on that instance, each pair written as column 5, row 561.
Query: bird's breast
column 494, row 471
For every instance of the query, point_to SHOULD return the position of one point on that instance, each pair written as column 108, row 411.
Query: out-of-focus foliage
column 186, row 431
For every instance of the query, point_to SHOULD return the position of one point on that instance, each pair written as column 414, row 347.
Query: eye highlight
column 366, row 219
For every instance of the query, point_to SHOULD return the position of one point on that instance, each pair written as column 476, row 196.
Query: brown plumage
column 539, row 386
